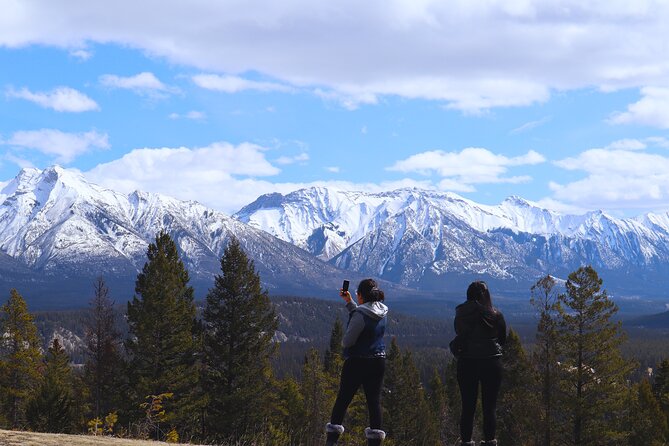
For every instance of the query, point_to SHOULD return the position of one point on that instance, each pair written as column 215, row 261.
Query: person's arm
column 354, row 328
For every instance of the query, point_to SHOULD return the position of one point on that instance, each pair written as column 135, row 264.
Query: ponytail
column 369, row 291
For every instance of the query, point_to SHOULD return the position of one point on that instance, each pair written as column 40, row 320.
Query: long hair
column 370, row 291
column 479, row 292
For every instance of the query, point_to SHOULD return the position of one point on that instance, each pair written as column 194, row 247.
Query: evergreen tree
column 407, row 410
column 289, row 410
column 164, row 339
column 438, row 398
column 333, row 359
column 52, row 408
column 239, row 323
column 661, row 387
column 104, row 363
column 518, row 405
column 592, row 371
column 317, row 399
column 19, row 359
column 647, row 422
column 544, row 299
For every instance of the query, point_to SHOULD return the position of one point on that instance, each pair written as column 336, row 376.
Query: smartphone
column 344, row 286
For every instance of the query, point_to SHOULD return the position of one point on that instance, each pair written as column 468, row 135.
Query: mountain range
column 58, row 231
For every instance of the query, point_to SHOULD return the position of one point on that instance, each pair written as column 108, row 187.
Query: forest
column 244, row 368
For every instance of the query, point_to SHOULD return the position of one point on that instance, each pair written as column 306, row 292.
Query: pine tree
column 592, row 371
column 104, row 363
column 647, row 423
column 239, row 323
column 289, row 410
column 443, row 420
column 52, row 408
column 544, row 299
column 407, row 409
column 661, row 387
column 20, row 359
column 317, row 399
column 333, row 355
column 164, row 339
column 518, row 405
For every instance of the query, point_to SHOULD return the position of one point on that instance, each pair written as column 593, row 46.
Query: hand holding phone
column 344, row 291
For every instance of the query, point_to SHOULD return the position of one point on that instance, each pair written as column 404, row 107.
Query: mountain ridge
column 56, row 226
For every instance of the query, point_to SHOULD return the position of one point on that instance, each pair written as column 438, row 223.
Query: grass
column 21, row 438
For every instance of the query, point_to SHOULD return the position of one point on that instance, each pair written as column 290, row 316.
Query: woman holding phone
column 364, row 360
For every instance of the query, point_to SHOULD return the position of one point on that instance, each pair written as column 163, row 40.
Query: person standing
column 482, row 329
column 364, row 361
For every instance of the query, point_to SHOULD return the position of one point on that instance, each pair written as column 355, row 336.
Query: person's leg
column 491, row 380
column 351, row 374
column 468, row 382
column 371, row 384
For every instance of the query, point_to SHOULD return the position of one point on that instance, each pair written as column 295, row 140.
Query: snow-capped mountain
column 419, row 238
column 56, row 224
column 58, row 232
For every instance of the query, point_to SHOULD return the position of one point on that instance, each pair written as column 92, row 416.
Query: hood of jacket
column 376, row 310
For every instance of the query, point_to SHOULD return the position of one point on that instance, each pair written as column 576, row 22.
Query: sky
column 565, row 104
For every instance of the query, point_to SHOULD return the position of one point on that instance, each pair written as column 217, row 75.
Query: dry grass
column 20, row 438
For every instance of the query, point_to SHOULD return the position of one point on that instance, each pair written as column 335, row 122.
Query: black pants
column 367, row 372
column 489, row 373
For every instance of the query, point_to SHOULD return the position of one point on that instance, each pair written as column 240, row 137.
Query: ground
column 19, row 438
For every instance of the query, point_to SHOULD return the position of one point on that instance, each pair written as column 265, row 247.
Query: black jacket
column 484, row 330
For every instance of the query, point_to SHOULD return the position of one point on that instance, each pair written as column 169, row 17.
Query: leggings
column 489, row 373
column 367, row 372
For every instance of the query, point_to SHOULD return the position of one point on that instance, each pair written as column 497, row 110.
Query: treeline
column 182, row 378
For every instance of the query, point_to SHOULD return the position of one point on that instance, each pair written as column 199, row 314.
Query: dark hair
column 369, row 291
column 479, row 292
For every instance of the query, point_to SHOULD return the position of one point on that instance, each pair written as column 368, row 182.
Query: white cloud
column 235, row 84
column 627, row 144
column 193, row 115
column 333, row 169
column 221, row 175
column 514, row 53
column 470, row 54
column 62, row 99
column 651, row 110
column 530, row 125
column 615, row 180
column 347, row 99
column 65, row 147
column 301, row 158
column 81, row 54
column 144, row 83
column 470, row 166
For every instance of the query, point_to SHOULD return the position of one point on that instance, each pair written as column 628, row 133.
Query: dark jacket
column 365, row 329
column 484, row 330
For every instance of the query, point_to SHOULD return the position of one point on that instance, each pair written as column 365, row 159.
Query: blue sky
column 220, row 101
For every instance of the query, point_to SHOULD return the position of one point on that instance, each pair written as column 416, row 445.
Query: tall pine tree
column 19, row 359
column 164, row 339
column 544, row 299
column 104, row 363
column 593, row 373
column 239, row 323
